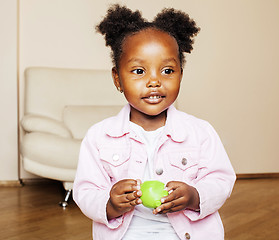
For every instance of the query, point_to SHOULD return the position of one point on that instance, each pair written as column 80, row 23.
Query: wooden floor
column 32, row 212
column 252, row 212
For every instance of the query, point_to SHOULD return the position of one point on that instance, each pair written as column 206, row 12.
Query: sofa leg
column 64, row 203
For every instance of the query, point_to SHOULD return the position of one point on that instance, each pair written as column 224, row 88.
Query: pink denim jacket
column 189, row 151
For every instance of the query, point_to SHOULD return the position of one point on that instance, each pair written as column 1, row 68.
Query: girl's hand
column 124, row 196
column 182, row 196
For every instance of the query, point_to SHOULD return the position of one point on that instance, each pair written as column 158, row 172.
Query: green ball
column 152, row 192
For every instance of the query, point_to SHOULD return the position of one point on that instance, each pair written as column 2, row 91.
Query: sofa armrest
column 39, row 123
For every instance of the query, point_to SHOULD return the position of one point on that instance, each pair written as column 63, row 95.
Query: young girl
column 150, row 139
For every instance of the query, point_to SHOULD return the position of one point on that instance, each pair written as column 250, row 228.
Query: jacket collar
column 175, row 128
column 119, row 124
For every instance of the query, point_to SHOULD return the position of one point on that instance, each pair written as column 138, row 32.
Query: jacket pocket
column 184, row 160
column 115, row 162
column 114, row 156
column 184, row 163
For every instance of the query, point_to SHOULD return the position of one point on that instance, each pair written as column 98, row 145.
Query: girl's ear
column 116, row 79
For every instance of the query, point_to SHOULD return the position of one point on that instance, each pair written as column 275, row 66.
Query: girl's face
column 149, row 73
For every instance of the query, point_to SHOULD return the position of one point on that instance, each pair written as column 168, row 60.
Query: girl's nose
column 153, row 82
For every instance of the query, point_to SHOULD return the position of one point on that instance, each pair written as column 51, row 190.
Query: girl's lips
column 153, row 99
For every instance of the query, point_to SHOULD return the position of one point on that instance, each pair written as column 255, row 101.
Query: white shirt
column 144, row 224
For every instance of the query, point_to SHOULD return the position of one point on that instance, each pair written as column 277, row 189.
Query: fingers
column 176, row 200
column 171, row 186
column 128, row 200
column 128, row 197
column 126, row 193
column 167, row 207
column 138, row 182
column 125, row 186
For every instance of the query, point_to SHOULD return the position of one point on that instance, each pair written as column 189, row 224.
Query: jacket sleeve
column 92, row 185
column 216, row 177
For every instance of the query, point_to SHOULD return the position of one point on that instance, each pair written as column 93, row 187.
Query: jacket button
column 115, row 157
column 187, row 236
column 184, row 161
column 159, row 171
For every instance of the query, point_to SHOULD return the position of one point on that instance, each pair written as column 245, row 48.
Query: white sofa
column 59, row 107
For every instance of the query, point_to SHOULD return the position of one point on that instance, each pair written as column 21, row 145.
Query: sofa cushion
column 45, row 148
column 80, row 118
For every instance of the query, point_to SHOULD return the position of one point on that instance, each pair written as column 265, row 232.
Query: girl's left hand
column 182, row 196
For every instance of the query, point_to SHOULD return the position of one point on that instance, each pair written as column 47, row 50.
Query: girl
column 150, row 139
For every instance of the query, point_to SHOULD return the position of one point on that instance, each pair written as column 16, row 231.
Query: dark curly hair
column 121, row 22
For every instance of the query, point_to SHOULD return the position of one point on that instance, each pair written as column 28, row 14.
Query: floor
column 252, row 212
column 32, row 212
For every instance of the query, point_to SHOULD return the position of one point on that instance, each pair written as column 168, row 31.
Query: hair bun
column 121, row 22
column 180, row 25
column 118, row 22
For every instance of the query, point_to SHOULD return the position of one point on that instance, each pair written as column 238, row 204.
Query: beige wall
column 231, row 78
column 8, row 91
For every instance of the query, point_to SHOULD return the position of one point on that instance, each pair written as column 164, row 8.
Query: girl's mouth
column 153, row 99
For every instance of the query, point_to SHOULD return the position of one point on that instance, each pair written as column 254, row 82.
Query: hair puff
column 178, row 24
column 121, row 22
column 118, row 23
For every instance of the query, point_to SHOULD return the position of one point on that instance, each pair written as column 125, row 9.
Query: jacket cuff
column 195, row 215
column 113, row 223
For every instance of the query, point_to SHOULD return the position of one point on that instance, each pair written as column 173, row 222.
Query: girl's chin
column 151, row 113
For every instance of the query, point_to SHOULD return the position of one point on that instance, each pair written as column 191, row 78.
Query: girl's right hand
column 124, row 196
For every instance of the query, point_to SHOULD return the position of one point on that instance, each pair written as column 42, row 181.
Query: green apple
column 152, row 192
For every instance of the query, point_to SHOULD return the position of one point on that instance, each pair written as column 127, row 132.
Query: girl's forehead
column 150, row 36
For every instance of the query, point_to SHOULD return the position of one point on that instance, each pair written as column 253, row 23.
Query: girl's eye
column 138, row 71
column 167, row 71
